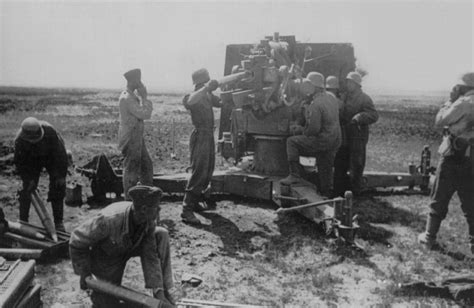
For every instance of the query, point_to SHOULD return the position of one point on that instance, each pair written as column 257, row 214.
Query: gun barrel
column 122, row 293
column 233, row 77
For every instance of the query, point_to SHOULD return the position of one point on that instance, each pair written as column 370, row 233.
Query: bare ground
column 244, row 251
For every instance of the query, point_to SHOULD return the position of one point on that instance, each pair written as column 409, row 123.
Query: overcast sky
column 410, row 45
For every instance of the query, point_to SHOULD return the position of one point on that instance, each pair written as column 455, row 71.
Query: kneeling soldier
column 102, row 245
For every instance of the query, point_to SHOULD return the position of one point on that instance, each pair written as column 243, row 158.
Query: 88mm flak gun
column 255, row 123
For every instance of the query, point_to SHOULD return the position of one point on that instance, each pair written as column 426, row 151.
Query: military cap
column 133, row 75
column 145, row 195
column 200, row 76
column 31, row 130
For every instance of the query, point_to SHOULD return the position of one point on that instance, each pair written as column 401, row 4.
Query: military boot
column 189, row 204
column 428, row 238
column 188, row 216
column 58, row 213
column 294, row 176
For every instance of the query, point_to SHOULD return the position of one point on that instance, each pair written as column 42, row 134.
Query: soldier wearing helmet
column 201, row 144
column 320, row 136
column 102, row 246
column 455, row 171
column 134, row 109
column 357, row 114
column 38, row 145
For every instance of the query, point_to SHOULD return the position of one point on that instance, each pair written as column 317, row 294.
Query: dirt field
column 244, row 252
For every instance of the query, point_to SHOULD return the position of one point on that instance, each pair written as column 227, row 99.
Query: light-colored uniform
column 137, row 164
column 321, row 138
column 459, row 116
column 454, row 172
column 103, row 244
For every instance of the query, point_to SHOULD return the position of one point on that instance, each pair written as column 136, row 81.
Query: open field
column 244, row 251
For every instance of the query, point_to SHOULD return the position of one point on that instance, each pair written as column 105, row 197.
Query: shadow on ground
column 232, row 238
column 372, row 210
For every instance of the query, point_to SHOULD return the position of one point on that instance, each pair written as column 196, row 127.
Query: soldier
column 358, row 113
column 134, row 109
column 38, row 145
column 454, row 172
column 201, row 144
column 332, row 88
column 320, row 137
column 103, row 244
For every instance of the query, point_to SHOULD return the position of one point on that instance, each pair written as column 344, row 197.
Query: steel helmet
column 316, row 79
column 332, row 82
column 356, row 77
column 468, row 79
column 31, row 130
column 200, row 76
column 307, row 87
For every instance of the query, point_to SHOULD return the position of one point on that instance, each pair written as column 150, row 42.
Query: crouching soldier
column 102, row 245
column 455, row 171
column 201, row 143
column 320, row 137
column 38, row 145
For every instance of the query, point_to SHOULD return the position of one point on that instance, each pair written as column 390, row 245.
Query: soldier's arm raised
column 198, row 95
column 141, row 111
column 449, row 113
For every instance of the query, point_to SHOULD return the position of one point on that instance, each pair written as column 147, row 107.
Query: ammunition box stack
column 16, row 285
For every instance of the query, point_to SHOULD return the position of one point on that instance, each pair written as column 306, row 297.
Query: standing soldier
column 321, row 135
column 39, row 145
column 454, row 172
column 358, row 113
column 134, row 109
column 201, row 144
column 332, row 88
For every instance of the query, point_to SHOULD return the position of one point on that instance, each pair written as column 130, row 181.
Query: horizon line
column 377, row 90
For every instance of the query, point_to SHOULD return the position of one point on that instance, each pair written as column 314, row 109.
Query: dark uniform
column 103, row 245
column 358, row 113
column 31, row 158
column 201, row 146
